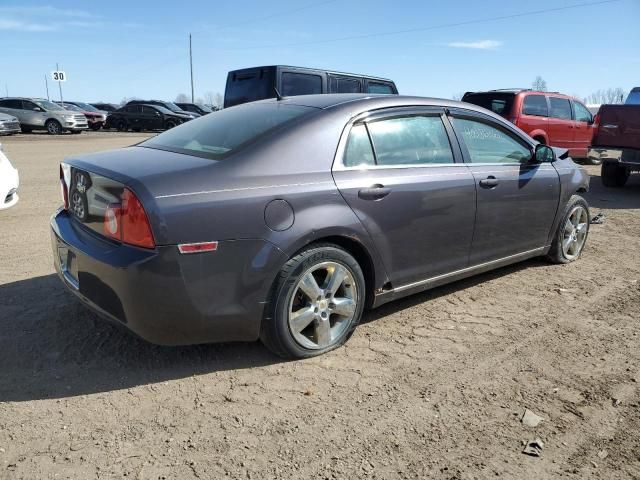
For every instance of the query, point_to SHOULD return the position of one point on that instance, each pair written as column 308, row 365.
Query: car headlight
column 68, row 117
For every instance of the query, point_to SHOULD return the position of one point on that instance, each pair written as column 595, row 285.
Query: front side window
column 47, row 105
column 414, row 140
column 27, row 105
column 375, row 87
column 300, row 84
column 219, row 134
column 149, row 110
column 488, row 144
column 535, row 105
column 582, row 113
column 358, row 151
column 560, row 108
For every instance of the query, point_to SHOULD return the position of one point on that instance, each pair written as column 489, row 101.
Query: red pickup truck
column 616, row 142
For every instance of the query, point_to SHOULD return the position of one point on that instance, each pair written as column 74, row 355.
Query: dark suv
column 548, row 117
column 168, row 105
column 259, row 83
column 144, row 117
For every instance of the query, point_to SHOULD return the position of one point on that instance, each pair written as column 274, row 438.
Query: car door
column 516, row 199
column 33, row 113
column 561, row 124
column 398, row 172
column 134, row 114
column 583, row 129
column 151, row 118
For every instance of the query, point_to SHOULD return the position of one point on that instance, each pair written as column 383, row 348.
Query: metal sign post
column 46, row 84
column 60, row 80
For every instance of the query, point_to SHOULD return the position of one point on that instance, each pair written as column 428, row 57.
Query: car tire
column 326, row 321
column 572, row 232
column 613, row 175
column 121, row 126
column 170, row 124
column 95, row 127
column 53, row 127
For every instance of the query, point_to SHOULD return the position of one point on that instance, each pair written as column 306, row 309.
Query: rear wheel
column 614, row 175
column 572, row 232
column 170, row 124
column 316, row 303
column 53, row 127
column 95, row 127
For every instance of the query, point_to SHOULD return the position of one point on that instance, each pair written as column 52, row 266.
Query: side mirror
column 38, row 109
column 543, row 154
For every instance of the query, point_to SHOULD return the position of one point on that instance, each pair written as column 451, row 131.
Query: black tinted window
column 560, row 108
column 249, row 86
column 535, row 105
column 358, row 150
column 300, row 84
column 499, row 103
column 344, row 85
column 11, row 104
column 149, row 110
column 410, row 141
column 220, row 133
column 132, row 108
column 374, row 87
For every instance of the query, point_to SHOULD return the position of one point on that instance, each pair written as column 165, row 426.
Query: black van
column 258, row 83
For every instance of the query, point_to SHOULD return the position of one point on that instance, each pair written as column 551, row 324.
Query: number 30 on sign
column 59, row 76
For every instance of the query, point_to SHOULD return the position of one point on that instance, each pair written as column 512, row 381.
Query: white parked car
column 9, row 182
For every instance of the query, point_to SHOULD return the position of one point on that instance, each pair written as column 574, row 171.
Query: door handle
column 374, row 192
column 489, row 182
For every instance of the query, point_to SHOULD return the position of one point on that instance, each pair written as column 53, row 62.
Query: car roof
column 331, row 100
column 312, row 69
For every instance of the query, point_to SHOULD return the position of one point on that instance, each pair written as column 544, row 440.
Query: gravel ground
column 432, row 386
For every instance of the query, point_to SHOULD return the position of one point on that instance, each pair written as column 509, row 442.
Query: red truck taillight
column 127, row 222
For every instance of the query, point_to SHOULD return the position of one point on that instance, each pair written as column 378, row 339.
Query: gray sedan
column 284, row 219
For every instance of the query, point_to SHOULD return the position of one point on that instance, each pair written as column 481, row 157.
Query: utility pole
column 46, row 84
column 191, row 66
column 59, row 84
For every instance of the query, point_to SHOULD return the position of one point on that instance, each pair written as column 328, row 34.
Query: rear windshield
column 634, row 97
column 221, row 133
column 249, row 86
column 499, row 103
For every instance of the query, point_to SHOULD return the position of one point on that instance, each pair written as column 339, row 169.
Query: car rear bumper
column 625, row 156
column 163, row 296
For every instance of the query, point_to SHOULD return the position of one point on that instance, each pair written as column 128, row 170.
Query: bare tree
column 610, row 95
column 219, row 100
column 539, row 84
column 457, row 96
column 209, row 98
column 183, row 98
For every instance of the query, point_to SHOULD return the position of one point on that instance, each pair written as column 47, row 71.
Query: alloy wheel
column 575, row 232
column 323, row 305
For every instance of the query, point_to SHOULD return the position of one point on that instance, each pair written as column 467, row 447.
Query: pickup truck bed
column 616, row 143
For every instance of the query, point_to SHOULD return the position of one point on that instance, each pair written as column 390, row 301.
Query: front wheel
column 316, row 303
column 53, row 127
column 572, row 232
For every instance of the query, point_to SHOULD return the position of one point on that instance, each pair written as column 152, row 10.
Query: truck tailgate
column 619, row 127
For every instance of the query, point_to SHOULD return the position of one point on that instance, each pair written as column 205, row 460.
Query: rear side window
column 344, row 85
column 358, row 151
column 488, row 144
column 560, row 108
column 17, row 104
column 535, row 105
column 249, row 86
column 582, row 113
column 497, row 102
column 412, row 140
column 375, row 87
column 221, row 133
column 300, row 84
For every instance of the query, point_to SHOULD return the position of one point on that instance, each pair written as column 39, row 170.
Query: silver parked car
column 8, row 124
column 41, row 114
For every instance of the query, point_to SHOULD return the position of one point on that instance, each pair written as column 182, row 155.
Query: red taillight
column 128, row 222
column 64, row 190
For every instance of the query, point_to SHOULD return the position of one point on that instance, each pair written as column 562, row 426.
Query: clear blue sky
column 114, row 49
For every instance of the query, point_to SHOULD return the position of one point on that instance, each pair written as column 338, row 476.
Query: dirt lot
column 429, row 387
